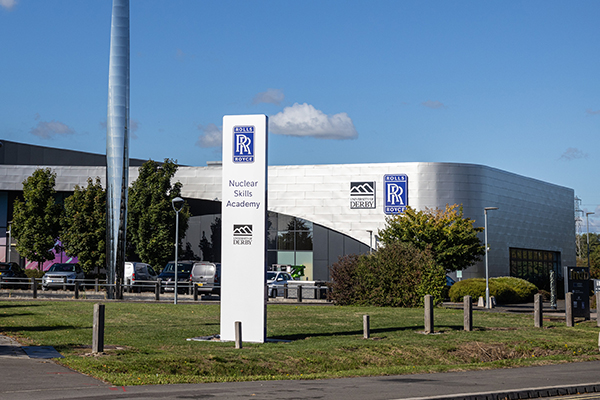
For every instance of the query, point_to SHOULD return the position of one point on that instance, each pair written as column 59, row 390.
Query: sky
column 508, row 84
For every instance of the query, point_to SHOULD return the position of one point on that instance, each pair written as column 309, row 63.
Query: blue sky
column 509, row 84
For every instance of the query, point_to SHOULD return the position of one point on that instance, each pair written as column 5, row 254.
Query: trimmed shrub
column 506, row 290
column 398, row 275
column 34, row 273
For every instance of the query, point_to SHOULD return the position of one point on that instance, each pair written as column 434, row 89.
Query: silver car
column 62, row 275
column 277, row 280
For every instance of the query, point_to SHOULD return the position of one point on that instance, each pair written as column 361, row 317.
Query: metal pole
column 370, row 242
column 587, row 218
column 487, row 274
column 176, row 248
column 10, row 241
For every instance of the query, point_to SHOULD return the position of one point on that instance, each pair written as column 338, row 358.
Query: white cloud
column 273, row 96
column 589, row 111
column 8, row 4
column 134, row 124
column 211, row 136
column 433, row 104
column 573, row 154
column 47, row 130
column 305, row 120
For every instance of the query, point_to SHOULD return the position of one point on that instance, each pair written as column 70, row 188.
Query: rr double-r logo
column 243, row 144
column 395, row 193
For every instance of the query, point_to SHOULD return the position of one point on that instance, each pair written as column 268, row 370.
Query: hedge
column 506, row 290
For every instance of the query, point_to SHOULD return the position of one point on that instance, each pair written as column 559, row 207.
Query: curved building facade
column 318, row 213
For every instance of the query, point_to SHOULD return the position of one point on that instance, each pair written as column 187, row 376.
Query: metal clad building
column 320, row 212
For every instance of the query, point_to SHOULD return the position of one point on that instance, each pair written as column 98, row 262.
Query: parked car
column 140, row 275
column 167, row 277
column 61, row 275
column 12, row 276
column 207, row 277
column 276, row 281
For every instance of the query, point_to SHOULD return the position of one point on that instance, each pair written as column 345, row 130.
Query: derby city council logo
column 242, row 235
column 362, row 195
column 395, row 189
column 243, row 144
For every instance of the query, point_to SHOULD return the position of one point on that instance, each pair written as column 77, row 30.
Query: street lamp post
column 587, row 219
column 370, row 241
column 10, row 239
column 487, row 270
column 177, row 203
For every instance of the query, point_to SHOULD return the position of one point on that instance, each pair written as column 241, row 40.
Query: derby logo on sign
column 395, row 193
column 362, row 195
column 243, row 144
column 242, row 235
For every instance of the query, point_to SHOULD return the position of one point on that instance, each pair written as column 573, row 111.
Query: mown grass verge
column 146, row 343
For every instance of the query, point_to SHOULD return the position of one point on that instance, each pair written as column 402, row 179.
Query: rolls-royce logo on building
column 242, row 235
column 395, row 191
column 362, row 195
column 243, row 144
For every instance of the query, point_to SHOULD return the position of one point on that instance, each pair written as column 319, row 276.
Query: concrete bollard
column 428, row 313
column 157, row 291
column 481, row 302
column 299, row 293
column 569, row 309
column 238, row 334
column 468, row 313
column 34, row 287
column 538, row 318
column 96, row 284
column 366, row 327
column 98, row 329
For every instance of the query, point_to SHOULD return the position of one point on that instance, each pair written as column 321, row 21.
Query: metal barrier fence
column 97, row 289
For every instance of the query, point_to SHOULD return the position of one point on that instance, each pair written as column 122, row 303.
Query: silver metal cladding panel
column 532, row 214
column 117, row 138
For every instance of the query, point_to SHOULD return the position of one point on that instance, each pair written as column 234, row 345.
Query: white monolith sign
column 243, row 221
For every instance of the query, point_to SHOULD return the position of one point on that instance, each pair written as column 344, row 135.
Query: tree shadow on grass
column 39, row 328
column 302, row 336
column 12, row 305
column 15, row 314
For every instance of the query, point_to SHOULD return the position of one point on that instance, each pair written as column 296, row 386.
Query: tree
column 36, row 220
column 150, row 215
column 211, row 249
column 84, row 225
column 452, row 237
column 582, row 260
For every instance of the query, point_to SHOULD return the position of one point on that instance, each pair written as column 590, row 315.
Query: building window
column 535, row 265
column 290, row 241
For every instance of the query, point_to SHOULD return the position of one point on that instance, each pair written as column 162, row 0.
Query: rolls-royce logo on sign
column 362, row 195
column 395, row 193
column 242, row 235
column 243, row 144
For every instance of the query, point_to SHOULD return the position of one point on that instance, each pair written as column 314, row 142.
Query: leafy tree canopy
column 451, row 237
column 150, row 214
column 582, row 248
column 84, row 225
column 36, row 219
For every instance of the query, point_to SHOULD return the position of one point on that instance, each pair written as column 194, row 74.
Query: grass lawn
column 146, row 343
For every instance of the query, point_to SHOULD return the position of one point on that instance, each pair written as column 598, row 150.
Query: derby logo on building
column 362, row 195
column 242, row 235
column 243, row 144
column 395, row 187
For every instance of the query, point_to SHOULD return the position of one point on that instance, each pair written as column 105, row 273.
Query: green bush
column 506, row 290
column 398, row 275
column 34, row 273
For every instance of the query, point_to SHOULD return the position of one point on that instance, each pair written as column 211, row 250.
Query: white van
column 139, row 274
